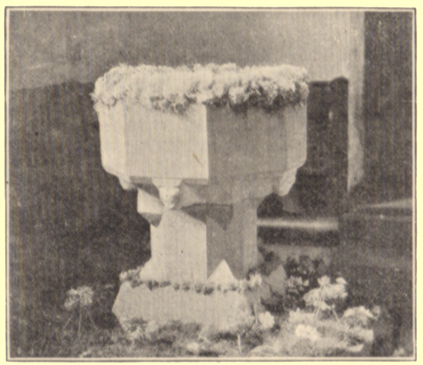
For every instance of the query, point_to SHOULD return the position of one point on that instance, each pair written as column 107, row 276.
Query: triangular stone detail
column 222, row 274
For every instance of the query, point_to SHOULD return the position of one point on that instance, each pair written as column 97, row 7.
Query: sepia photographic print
column 210, row 183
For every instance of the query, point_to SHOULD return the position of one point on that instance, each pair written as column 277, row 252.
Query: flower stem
column 91, row 320
column 239, row 344
column 80, row 323
column 64, row 327
column 336, row 316
column 317, row 313
column 255, row 314
column 130, row 347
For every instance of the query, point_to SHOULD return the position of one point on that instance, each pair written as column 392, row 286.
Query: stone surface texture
column 164, row 305
column 200, row 177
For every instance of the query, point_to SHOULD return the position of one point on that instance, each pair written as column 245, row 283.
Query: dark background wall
column 54, row 46
column 388, row 105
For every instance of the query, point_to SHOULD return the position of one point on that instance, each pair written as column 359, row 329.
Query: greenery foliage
column 174, row 89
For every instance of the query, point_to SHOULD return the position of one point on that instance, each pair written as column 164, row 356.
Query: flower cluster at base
column 133, row 277
column 350, row 332
column 81, row 297
column 174, row 89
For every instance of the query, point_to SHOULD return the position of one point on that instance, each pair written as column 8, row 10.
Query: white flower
column 303, row 90
column 86, row 296
column 218, row 89
column 355, row 349
column 270, row 90
column 151, row 328
column 205, row 96
column 123, row 276
column 366, row 335
column 308, row 332
column 399, row 352
column 205, row 77
column 243, row 284
column 291, row 282
column 266, row 320
column 81, row 297
column 333, row 291
column 341, row 281
column 324, row 281
column 358, row 315
column 357, row 311
column 299, row 281
column 376, row 311
column 323, row 306
column 72, row 292
column 135, row 335
column 237, row 95
column 71, row 303
column 193, row 347
column 294, row 281
column 286, row 85
column 313, row 297
column 299, row 316
column 255, row 281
